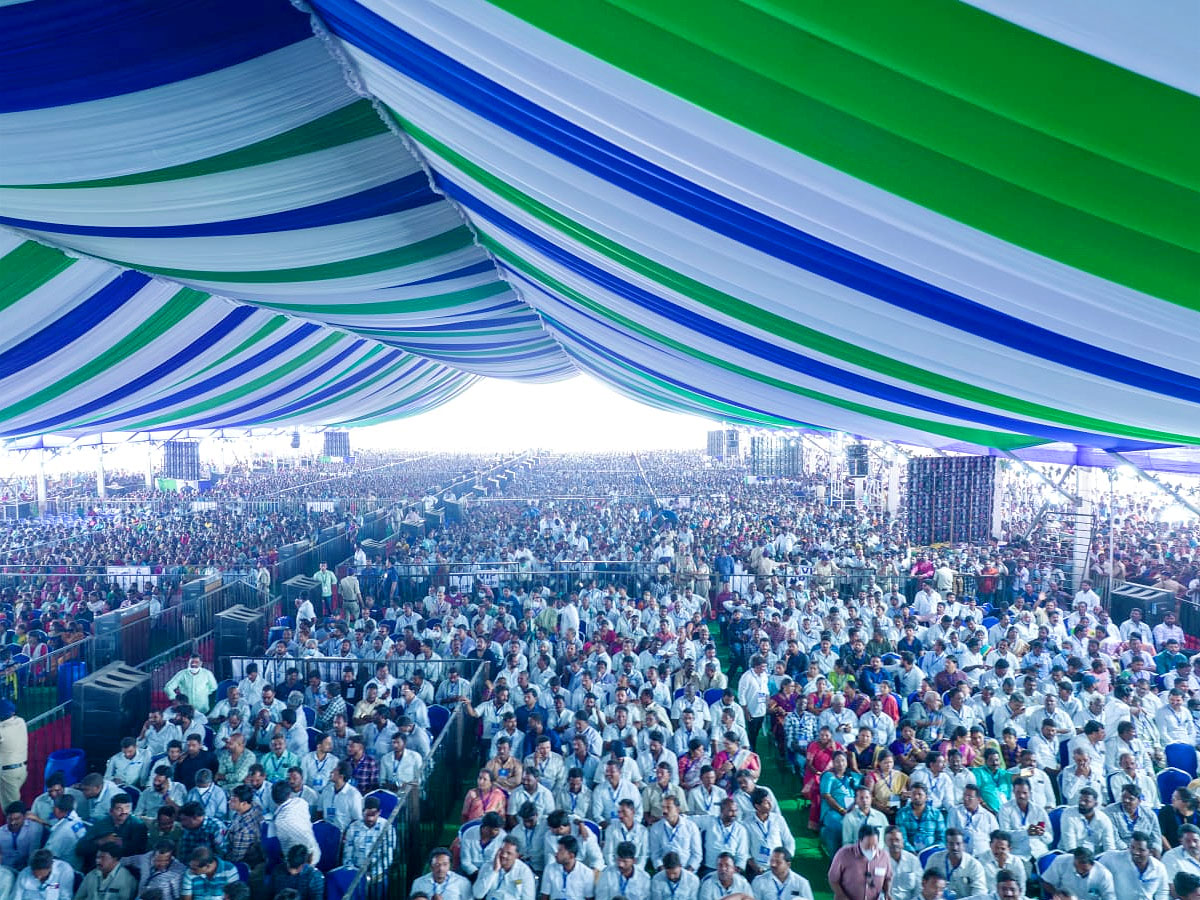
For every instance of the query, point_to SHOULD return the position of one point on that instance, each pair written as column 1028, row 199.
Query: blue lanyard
column 674, row 885
column 564, row 887
column 779, row 890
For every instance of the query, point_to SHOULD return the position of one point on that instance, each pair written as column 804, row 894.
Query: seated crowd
column 1038, row 742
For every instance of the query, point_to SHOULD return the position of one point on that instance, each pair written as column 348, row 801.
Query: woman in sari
column 837, row 795
column 485, row 797
column 816, row 763
column 778, row 707
column 889, row 786
column 821, row 697
column 961, row 742
column 864, row 752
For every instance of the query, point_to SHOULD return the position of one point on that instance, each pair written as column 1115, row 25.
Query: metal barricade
column 419, row 821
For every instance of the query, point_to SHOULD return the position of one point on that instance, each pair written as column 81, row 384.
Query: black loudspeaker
column 337, row 444
column 856, row 460
column 181, row 460
column 109, row 704
column 295, row 440
column 238, row 630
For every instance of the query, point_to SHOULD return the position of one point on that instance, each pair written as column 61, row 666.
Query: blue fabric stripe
column 58, row 52
column 223, row 379
column 765, row 350
column 75, row 323
column 598, row 349
column 183, row 357
column 507, row 109
column 353, row 378
column 479, row 268
column 401, row 195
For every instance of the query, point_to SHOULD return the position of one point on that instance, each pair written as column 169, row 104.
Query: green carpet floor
column 809, row 861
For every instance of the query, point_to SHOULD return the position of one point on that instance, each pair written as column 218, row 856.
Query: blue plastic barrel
column 68, row 674
column 72, row 763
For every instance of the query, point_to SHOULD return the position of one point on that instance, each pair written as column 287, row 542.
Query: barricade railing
column 274, row 669
column 418, row 822
column 48, row 731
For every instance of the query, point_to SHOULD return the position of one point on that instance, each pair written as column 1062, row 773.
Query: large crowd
column 960, row 722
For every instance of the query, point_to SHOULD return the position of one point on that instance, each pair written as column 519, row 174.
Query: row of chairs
column 329, row 836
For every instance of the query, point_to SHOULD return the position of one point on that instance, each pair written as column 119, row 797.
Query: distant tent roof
column 930, row 222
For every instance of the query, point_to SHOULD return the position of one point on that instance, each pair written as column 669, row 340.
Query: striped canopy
column 968, row 224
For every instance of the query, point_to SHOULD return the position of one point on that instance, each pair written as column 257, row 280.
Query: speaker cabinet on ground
column 238, row 630
column 109, row 704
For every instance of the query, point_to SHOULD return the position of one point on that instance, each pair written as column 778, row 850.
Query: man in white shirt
column 480, row 843
column 46, row 878
column 623, row 877
column 676, row 833
column 724, row 835
column 779, row 882
column 439, row 881
column 974, row 821
column 674, row 882
column 1027, row 823
column 1136, row 874
column 767, row 830
column 1186, row 856
column 130, row 766
column 341, row 802
column 1087, row 826
column 1078, row 874
column 964, row 874
column 724, row 881
column 567, row 878
column 626, row 829
column 753, row 691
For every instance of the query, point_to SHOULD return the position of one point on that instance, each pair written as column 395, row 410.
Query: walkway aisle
column 808, row 860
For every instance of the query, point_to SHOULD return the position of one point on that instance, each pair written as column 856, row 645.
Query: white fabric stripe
column 277, row 250
column 787, row 186
column 52, row 300
column 690, row 371
column 768, row 283
column 175, row 123
column 378, row 283
column 769, row 400
column 1156, row 39
column 239, row 194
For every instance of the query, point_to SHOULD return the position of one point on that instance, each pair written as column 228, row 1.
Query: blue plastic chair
column 465, row 825
column 593, row 828
column 314, row 738
column 678, row 693
column 1043, row 866
column 387, row 802
column 1180, row 756
column 338, row 881
column 438, row 717
column 713, row 695
column 1055, row 815
column 1064, row 754
column 273, row 850
column 243, row 871
column 1023, row 743
column 989, row 621
column 1169, row 781
column 329, row 839
column 133, row 794
column 928, row 852
column 223, row 689
column 310, row 716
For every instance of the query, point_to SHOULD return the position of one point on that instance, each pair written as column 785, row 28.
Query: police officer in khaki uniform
column 14, row 753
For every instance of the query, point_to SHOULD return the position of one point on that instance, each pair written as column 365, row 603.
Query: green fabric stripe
column 940, row 122
column 732, row 73
column 778, row 325
column 26, row 268
column 981, row 436
column 243, row 389
column 272, row 326
column 410, row 406
column 179, row 307
column 393, row 307
column 1016, row 73
column 420, row 251
column 388, row 372
column 342, row 373
column 342, row 126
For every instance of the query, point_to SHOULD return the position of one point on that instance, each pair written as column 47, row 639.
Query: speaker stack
column 776, row 456
column 337, row 444
column 181, row 460
column 952, row 499
column 238, row 630
column 857, row 461
column 109, row 704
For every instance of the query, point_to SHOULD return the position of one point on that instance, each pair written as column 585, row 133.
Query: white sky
column 580, row 414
